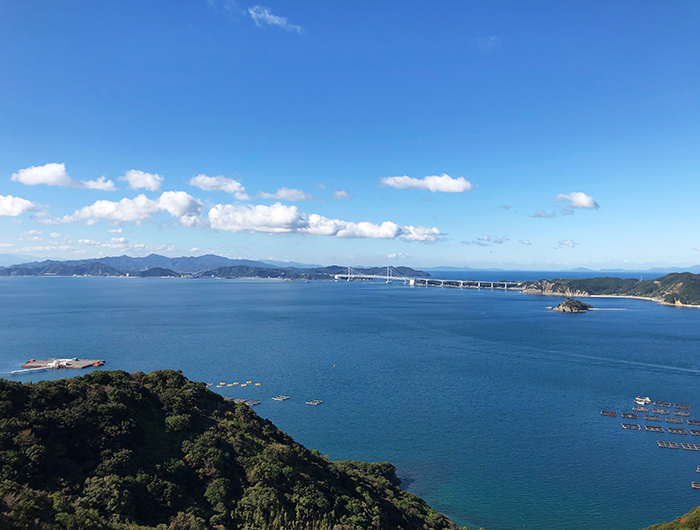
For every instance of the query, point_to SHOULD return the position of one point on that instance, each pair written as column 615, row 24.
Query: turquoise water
column 488, row 404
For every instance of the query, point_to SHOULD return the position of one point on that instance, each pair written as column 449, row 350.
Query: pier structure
column 393, row 275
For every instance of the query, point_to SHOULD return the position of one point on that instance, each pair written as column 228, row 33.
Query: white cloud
column 261, row 15
column 136, row 210
column 115, row 243
column 397, row 255
column 140, row 179
column 567, row 243
column 51, row 248
column 55, row 235
column 524, row 242
column 14, row 206
column 90, row 242
column 443, row 183
column 576, row 199
column 115, row 231
column 30, row 235
column 287, row 219
column 220, row 183
column 341, row 194
column 6, row 245
column 56, row 175
column 287, row 194
column 177, row 203
column 697, row 248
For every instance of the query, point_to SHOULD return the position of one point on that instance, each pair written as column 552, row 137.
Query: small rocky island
column 571, row 305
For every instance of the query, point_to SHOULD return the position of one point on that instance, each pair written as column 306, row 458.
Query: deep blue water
column 488, row 404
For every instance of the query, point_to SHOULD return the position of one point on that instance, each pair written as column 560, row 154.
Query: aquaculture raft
column 314, row 402
column 654, row 428
column 631, row 426
column 691, row 447
column 609, row 413
column 668, row 445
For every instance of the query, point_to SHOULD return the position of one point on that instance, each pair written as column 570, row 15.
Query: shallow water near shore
column 488, row 404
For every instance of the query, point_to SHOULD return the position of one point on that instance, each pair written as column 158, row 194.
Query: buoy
column 248, row 382
column 244, row 384
column 257, row 384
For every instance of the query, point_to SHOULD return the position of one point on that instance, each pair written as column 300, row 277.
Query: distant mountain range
column 209, row 266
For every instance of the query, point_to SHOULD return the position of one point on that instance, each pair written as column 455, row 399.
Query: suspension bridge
column 392, row 275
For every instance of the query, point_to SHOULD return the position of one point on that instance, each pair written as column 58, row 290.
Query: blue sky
column 511, row 134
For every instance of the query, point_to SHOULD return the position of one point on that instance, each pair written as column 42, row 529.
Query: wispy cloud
column 397, row 255
column 489, row 44
column 30, row 235
column 506, row 206
column 443, row 183
column 341, row 194
column 566, row 243
column 524, row 242
column 288, row 194
column 56, row 175
column 487, row 241
column 261, row 15
column 541, row 214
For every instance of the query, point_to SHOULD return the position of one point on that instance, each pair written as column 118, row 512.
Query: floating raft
column 662, row 403
column 630, row 415
column 695, row 485
column 691, row 447
column 314, row 402
column 694, row 432
column 660, row 411
column 698, row 469
column 63, row 363
column 681, row 406
column 693, row 422
column 249, row 402
column 608, row 413
column 631, row 426
column 654, row 428
column 640, row 409
column 681, row 413
column 280, row 398
column 649, row 417
column 668, row 445
column 674, row 420
column 677, row 431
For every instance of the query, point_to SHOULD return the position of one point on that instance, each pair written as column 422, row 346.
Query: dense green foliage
column 689, row 521
column 119, row 451
column 683, row 287
column 156, row 272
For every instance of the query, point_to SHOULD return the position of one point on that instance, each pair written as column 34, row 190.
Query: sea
column 487, row 403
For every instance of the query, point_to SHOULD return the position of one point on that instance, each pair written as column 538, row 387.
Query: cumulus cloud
column 397, row 255
column 56, row 175
column 220, row 183
column 6, row 245
column 341, row 194
column 487, row 241
column 262, row 15
column 567, row 243
column 697, row 248
column 90, row 242
column 524, row 242
column 288, row 219
column 443, row 183
column 115, row 231
column 140, row 179
column 14, row 206
column 576, row 199
column 30, row 235
column 287, row 194
column 177, row 203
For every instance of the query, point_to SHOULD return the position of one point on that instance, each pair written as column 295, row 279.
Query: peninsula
column 679, row 289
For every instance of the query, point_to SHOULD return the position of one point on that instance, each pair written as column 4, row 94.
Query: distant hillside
column 156, row 272
column 676, row 288
column 119, row 451
column 57, row 268
column 182, row 264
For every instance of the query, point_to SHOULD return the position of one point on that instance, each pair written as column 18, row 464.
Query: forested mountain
column 119, row 451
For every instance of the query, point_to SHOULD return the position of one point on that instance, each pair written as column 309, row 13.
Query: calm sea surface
column 488, row 404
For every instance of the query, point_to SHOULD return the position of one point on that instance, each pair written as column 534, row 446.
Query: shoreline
column 648, row 298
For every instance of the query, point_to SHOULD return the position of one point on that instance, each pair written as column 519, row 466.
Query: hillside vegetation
column 119, row 451
column 675, row 288
column 689, row 521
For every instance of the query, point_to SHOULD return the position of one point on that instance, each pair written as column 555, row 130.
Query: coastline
column 657, row 300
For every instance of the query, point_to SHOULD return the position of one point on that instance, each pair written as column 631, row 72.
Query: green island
column 570, row 305
column 673, row 289
column 117, row 451
column 689, row 521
